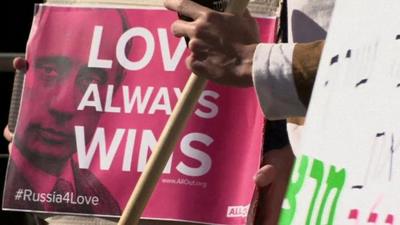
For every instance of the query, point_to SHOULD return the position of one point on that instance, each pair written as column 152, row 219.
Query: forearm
column 274, row 83
column 306, row 59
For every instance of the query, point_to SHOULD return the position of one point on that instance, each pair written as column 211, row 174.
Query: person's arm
column 225, row 48
column 274, row 82
column 306, row 57
column 272, row 178
column 9, row 137
column 284, row 76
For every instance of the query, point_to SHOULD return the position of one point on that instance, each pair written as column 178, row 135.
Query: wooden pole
column 168, row 138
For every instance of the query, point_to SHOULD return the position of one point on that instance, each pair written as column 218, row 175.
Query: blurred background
column 15, row 22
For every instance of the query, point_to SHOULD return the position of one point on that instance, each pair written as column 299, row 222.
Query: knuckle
column 196, row 31
column 211, row 16
column 199, row 49
column 199, row 30
column 180, row 5
column 193, row 44
column 189, row 62
column 174, row 28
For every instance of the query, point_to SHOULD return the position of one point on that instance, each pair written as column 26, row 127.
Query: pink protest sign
column 100, row 87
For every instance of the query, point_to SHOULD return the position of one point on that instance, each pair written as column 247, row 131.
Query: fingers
column 265, row 176
column 182, row 28
column 203, row 28
column 201, row 64
column 7, row 134
column 9, row 137
column 197, row 66
column 20, row 64
column 186, row 7
column 10, row 147
column 200, row 49
column 204, row 21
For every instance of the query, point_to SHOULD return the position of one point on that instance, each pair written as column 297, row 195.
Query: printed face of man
column 59, row 75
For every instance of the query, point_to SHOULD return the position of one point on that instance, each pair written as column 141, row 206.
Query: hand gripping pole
column 168, row 138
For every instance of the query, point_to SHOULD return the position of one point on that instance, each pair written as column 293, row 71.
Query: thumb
column 10, row 147
column 7, row 134
column 265, row 175
column 20, row 64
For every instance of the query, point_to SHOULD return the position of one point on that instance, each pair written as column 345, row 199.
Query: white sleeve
column 273, row 80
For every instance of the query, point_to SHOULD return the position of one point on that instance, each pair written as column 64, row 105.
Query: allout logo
column 237, row 211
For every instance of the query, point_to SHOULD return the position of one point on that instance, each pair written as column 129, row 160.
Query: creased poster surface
column 350, row 170
column 100, row 86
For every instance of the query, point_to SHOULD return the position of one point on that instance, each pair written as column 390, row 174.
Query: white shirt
column 272, row 63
